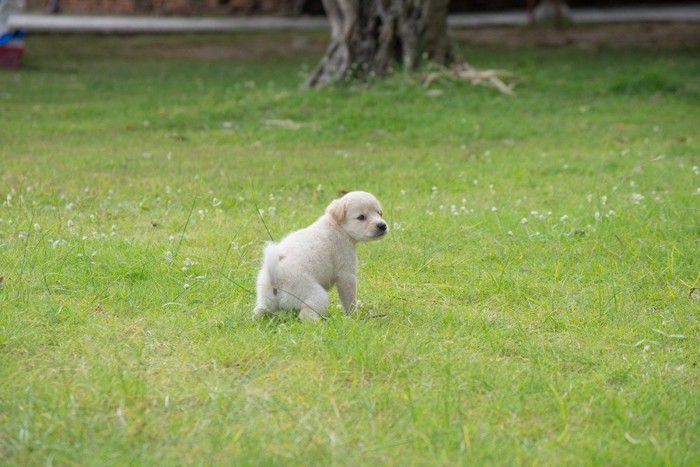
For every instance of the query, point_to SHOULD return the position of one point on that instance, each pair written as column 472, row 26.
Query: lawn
column 535, row 301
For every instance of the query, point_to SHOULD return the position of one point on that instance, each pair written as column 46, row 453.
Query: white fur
column 297, row 272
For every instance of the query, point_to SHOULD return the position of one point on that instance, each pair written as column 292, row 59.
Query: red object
column 11, row 56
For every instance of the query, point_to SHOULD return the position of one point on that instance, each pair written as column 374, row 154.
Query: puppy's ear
column 337, row 210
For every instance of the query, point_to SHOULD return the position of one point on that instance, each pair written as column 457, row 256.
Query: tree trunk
column 369, row 37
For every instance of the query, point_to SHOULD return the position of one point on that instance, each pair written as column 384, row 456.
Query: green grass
column 531, row 305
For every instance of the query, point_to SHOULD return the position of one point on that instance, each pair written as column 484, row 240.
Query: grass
column 533, row 303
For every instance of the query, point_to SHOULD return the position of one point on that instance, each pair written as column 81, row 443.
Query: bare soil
column 281, row 45
column 644, row 36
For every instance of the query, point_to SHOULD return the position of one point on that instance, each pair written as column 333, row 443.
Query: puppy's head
column 360, row 215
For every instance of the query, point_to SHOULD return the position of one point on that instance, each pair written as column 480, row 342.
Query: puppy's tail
column 271, row 260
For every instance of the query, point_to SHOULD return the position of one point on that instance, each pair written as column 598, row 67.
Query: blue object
column 11, row 36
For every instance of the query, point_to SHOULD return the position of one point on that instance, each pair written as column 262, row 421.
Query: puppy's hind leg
column 268, row 278
column 267, row 301
column 314, row 305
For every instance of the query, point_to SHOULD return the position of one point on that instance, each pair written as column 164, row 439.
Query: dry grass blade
column 288, row 124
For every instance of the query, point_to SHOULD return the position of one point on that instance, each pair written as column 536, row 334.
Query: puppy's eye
column 361, row 217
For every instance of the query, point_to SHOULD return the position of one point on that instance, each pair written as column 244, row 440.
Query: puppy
column 297, row 272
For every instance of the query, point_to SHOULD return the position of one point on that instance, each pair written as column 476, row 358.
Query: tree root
column 491, row 78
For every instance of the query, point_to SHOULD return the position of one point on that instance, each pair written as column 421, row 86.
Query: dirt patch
column 645, row 36
column 235, row 46
column 277, row 45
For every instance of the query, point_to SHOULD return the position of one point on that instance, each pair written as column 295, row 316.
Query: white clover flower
column 494, row 209
column 168, row 255
column 188, row 262
column 37, row 227
column 696, row 170
column 597, row 216
column 216, row 202
column 636, row 198
column 186, row 286
column 603, row 200
column 564, row 218
column 523, row 220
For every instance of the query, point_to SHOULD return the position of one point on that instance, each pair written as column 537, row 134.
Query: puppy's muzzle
column 381, row 229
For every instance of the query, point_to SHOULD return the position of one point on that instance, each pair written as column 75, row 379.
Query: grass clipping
column 463, row 71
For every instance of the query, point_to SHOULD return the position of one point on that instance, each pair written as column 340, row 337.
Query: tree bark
column 370, row 37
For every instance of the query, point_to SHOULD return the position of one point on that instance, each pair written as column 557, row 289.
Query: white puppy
column 297, row 272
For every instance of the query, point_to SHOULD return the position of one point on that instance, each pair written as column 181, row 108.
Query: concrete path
column 139, row 24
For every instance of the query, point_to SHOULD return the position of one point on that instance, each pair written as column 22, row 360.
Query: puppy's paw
column 259, row 312
column 308, row 315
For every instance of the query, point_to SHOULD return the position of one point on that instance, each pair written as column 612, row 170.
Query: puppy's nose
column 382, row 226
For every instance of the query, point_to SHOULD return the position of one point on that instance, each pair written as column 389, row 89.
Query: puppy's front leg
column 347, row 290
